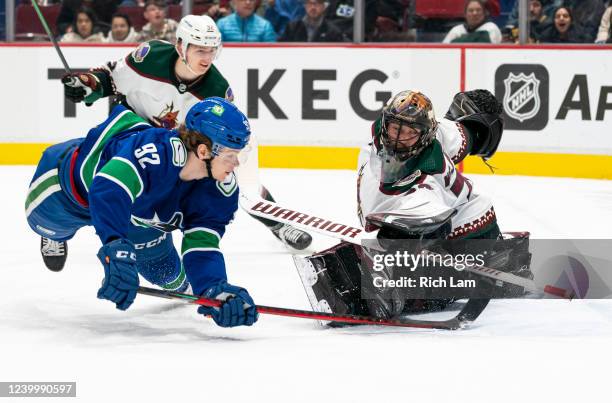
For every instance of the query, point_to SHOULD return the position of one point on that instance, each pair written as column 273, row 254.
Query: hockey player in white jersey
column 409, row 189
column 161, row 82
column 405, row 166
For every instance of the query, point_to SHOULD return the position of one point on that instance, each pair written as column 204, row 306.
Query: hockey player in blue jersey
column 136, row 184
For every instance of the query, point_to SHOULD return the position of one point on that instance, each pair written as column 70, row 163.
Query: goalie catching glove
column 238, row 308
column 480, row 113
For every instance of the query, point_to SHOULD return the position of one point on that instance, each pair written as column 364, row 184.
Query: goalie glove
column 80, row 87
column 480, row 113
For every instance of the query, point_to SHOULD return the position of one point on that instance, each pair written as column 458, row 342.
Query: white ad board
column 555, row 100
column 324, row 96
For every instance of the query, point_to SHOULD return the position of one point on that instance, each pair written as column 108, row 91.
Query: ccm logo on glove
column 122, row 254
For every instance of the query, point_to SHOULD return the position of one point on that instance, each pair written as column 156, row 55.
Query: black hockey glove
column 80, row 87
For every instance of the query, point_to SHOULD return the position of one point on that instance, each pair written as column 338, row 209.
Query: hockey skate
column 292, row 237
column 54, row 253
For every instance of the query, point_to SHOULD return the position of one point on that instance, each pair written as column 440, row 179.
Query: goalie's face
column 402, row 136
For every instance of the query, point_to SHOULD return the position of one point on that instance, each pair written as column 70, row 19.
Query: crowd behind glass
column 460, row 21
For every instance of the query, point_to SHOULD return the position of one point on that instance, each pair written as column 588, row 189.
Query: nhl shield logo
column 521, row 98
column 524, row 91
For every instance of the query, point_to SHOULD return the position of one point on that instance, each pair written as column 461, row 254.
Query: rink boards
column 311, row 107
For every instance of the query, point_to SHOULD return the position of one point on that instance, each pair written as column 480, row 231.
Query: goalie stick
column 470, row 312
column 267, row 209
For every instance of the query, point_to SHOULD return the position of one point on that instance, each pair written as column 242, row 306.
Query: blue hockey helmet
column 220, row 121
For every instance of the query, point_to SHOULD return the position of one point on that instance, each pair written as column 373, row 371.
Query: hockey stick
column 43, row 21
column 467, row 314
column 298, row 219
column 41, row 17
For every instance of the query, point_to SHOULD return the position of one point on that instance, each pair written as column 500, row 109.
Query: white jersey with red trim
column 147, row 80
column 432, row 186
column 453, row 139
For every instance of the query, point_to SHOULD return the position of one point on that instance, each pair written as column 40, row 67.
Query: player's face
column 404, row 136
column 84, row 25
column 200, row 58
column 225, row 163
column 314, row 8
column 119, row 28
column 562, row 20
column 474, row 14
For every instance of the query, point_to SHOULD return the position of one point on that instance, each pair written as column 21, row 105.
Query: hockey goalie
column 410, row 191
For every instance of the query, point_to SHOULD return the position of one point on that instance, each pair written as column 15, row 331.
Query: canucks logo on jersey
column 175, row 222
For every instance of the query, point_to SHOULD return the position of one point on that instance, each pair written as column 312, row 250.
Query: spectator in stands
column 158, row 26
column 122, row 30
column 548, row 8
column 243, row 25
column 538, row 23
column 476, row 28
column 281, row 12
column 586, row 15
column 84, row 28
column 313, row 27
column 604, row 34
column 103, row 9
column 394, row 21
column 563, row 29
column 216, row 9
column 340, row 13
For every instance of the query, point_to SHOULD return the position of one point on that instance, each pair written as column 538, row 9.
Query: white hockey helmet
column 198, row 30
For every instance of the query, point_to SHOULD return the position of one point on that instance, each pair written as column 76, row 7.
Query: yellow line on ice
column 305, row 157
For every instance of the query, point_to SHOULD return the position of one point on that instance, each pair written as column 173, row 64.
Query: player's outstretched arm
column 120, row 283
column 87, row 87
column 238, row 308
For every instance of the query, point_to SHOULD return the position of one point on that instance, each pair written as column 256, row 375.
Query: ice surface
column 52, row 328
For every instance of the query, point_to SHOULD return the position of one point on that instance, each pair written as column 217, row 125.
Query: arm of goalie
column 479, row 112
column 412, row 224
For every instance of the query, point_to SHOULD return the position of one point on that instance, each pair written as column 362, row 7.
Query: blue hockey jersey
column 127, row 172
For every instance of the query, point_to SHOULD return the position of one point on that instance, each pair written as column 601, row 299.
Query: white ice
column 52, row 327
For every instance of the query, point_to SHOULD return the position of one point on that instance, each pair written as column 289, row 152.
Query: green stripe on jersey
column 199, row 239
column 125, row 174
column 173, row 285
column 125, row 120
column 44, row 186
column 40, row 185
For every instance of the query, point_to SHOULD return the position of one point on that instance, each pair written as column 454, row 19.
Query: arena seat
column 448, row 9
column 443, row 9
column 136, row 15
column 28, row 24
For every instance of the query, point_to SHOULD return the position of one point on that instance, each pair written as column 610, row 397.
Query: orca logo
column 523, row 89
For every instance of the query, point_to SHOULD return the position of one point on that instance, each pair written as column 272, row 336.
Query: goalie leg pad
column 333, row 281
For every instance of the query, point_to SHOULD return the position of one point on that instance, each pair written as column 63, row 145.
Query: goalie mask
column 408, row 126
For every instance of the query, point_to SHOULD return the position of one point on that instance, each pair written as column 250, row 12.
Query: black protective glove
column 80, row 87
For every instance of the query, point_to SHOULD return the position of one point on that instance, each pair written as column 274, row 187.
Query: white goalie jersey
column 434, row 185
